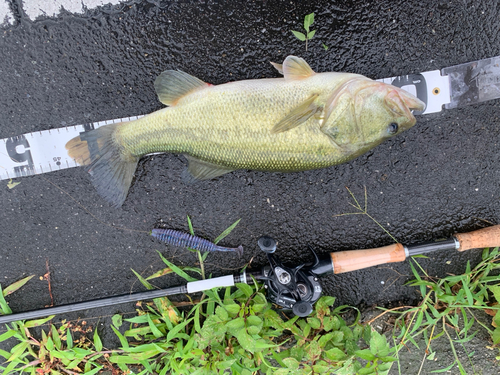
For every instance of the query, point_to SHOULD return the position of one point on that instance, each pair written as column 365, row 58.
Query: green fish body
column 303, row 121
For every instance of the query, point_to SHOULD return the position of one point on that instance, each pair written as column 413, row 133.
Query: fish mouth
column 411, row 101
column 403, row 103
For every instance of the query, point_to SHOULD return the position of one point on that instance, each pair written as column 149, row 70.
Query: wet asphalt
column 438, row 178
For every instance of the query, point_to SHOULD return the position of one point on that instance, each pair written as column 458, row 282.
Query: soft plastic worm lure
column 181, row 239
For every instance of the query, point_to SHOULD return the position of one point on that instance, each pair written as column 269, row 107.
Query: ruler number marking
column 20, row 157
column 416, row 80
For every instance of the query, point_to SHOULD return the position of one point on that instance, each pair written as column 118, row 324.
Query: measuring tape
column 44, row 151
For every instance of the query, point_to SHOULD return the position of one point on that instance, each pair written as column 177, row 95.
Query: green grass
column 449, row 308
column 235, row 330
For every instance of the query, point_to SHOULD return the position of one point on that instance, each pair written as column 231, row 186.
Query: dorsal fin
column 296, row 68
column 278, row 67
column 172, row 85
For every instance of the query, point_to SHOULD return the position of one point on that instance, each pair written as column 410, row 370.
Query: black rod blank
column 428, row 247
column 134, row 297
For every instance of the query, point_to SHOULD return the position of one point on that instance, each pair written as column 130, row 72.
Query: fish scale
column 303, row 121
column 240, row 137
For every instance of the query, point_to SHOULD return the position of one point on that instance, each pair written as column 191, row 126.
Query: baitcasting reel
column 295, row 288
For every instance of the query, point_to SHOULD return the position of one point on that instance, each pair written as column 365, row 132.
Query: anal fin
column 198, row 170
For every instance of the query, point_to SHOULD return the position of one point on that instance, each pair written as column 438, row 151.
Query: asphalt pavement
column 438, row 178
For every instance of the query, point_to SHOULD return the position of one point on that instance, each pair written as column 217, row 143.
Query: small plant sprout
column 308, row 21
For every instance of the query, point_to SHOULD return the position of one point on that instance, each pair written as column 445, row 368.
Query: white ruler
column 44, row 151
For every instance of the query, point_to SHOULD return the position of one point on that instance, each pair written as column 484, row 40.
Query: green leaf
column 7, row 335
column 197, row 323
column 191, row 230
column 4, row 307
column 143, row 280
column 69, row 340
column 245, row 288
column 122, row 339
column 97, row 341
column 227, row 231
column 94, row 371
column 235, row 325
column 173, row 332
column 306, row 330
column 291, row 363
column 495, row 289
column 446, row 369
column 313, row 351
column 156, row 332
column 367, row 371
column 310, row 35
column 138, row 319
column 254, row 324
column 299, row 35
column 335, row 354
column 50, row 344
column 117, row 320
column 246, row 341
column 324, row 46
column 496, row 336
column 485, row 254
column 468, row 294
column 337, row 337
column 162, row 272
column 55, row 336
column 321, row 369
column 418, row 322
column 324, row 339
column 315, row 323
column 308, row 21
column 323, row 305
column 365, row 354
column 15, row 286
column 378, row 344
column 176, row 269
column 38, row 322
column 496, row 319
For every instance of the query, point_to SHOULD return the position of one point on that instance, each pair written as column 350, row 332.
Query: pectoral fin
column 202, row 170
column 172, row 85
column 298, row 115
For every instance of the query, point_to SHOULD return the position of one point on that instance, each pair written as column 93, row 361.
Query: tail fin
column 110, row 165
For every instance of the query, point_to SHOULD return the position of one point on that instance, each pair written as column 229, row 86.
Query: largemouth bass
column 305, row 120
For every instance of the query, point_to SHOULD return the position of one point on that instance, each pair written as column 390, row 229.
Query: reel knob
column 302, row 308
column 267, row 244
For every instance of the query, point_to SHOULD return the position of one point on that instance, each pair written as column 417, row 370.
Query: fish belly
column 230, row 125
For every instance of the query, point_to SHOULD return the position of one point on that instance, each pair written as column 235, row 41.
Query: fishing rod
column 290, row 287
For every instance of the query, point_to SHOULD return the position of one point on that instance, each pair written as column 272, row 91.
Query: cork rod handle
column 486, row 237
column 347, row 261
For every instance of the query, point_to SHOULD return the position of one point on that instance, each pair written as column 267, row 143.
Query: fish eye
column 392, row 128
